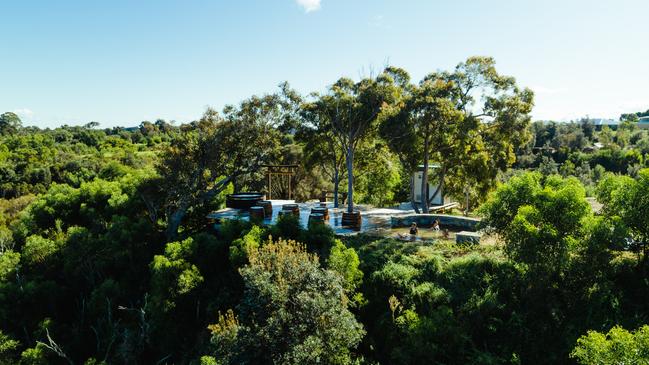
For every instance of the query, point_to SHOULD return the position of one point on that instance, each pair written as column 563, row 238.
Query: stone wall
column 466, row 237
column 445, row 221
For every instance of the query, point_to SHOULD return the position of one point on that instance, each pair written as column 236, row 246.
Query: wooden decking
column 443, row 208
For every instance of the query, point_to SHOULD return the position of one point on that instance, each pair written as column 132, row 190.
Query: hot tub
column 243, row 200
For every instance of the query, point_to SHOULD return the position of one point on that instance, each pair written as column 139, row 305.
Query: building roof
column 603, row 121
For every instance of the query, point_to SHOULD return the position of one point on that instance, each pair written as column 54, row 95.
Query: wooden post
column 283, row 172
column 289, row 186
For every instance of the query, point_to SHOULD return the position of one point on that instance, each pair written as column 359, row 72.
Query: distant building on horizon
column 598, row 122
column 643, row 123
column 601, row 122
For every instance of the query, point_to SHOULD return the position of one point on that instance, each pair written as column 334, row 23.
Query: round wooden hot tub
column 243, row 200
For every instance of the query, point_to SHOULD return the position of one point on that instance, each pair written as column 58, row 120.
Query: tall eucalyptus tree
column 347, row 114
column 469, row 121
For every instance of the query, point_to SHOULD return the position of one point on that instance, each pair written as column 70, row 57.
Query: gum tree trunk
column 424, row 180
column 336, row 186
column 440, row 185
column 175, row 216
column 350, row 179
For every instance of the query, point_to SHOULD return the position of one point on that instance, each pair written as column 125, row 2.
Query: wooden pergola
column 283, row 173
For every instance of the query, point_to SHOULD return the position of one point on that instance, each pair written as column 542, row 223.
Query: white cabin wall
column 432, row 187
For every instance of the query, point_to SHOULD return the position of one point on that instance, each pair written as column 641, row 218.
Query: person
column 436, row 225
column 412, row 236
column 413, row 229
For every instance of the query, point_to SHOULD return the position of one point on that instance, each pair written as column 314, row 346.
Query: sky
column 120, row 62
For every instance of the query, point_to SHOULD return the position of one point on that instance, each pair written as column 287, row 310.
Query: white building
column 433, row 183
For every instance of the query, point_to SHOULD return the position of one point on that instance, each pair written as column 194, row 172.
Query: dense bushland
column 87, row 277
column 106, row 255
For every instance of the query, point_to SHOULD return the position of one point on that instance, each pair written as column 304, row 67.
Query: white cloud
column 23, row 113
column 309, row 5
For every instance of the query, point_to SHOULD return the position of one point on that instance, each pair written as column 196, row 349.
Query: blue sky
column 123, row 61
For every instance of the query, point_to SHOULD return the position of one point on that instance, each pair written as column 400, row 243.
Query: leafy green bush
column 618, row 346
column 293, row 312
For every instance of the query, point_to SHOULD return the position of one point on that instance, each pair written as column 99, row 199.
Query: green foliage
column 9, row 123
column 500, row 210
column 539, row 218
column 287, row 227
column 242, row 246
column 173, row 275
column 395, row 277
column 8, row 349
column 618, row 346
column 34, row 159
column 34, row 356
column 345, row 262
column 204, row 159
column 208, row 360
column 9, row 262
column 626, row 200
column 106, row 255
column 434, row 304
column 322, row 152
column 441, row 119
column 378, row 176
column 67, row 242
column 232, row 229
column 346, row 116
column 319, row 239
column 37, row 250
column 293, row 312
column 578, row 149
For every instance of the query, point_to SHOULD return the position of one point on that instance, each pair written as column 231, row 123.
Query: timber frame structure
column 282, row 173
